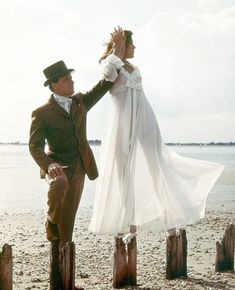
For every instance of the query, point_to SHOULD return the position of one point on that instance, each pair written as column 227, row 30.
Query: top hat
column 56, row 70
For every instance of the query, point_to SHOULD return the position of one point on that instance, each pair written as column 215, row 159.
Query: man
column 62, row 123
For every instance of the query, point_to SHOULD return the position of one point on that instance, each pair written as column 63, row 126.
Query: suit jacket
column 65, row 133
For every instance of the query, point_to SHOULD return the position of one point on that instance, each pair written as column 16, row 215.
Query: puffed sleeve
column 110, row 66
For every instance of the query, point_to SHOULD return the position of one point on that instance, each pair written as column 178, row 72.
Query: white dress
column 141, row 179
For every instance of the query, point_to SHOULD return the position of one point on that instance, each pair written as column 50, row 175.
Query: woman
column 141, row 179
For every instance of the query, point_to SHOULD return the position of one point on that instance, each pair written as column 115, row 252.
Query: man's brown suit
column 67, row 145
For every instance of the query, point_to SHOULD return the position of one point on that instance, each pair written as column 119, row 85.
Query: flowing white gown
column 141, row 179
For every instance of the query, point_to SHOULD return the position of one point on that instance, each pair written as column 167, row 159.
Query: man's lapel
column 57, row 108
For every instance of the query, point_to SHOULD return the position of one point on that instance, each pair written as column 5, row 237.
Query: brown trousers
column 63, row 200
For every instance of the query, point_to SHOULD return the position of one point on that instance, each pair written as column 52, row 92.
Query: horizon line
column 98, row 142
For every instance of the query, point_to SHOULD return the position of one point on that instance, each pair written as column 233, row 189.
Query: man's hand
column 55, row 169
column 119, row 41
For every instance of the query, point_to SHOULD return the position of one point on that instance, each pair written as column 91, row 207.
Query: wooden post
column 176, row 255
column 132, row 262
column 68, row 266
column 120, row 264
column 55, row 277
column 6, row 265
column 224, row 259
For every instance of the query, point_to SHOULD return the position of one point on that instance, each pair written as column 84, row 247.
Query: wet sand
column 94, row 254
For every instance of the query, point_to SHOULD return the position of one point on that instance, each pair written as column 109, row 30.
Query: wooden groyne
column 224, row 260
column 6, row 268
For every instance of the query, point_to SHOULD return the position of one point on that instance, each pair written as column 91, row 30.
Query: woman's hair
column 109, row 45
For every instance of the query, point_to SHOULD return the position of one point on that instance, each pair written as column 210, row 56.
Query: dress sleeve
column 110, row 66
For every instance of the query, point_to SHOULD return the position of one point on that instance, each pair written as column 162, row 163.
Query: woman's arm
column 111, row 65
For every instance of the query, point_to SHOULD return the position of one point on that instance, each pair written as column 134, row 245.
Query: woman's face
column 129, row 52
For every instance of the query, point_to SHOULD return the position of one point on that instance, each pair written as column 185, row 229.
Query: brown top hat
column 56, row 70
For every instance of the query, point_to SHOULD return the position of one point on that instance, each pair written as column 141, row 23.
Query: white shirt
column 64, row 102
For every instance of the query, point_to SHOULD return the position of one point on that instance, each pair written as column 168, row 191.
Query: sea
column 22, row 190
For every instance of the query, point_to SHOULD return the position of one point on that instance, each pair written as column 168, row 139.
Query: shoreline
column 23, row 214
column 25, row 232
column 98, row 142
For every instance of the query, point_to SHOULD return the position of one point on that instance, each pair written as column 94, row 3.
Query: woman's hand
column 119, row 40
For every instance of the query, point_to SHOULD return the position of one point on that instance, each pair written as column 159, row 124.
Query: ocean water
column 22, row 190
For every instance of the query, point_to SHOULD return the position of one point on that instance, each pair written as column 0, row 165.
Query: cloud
column 219, row 22
column 185, row 53
column 187, row 68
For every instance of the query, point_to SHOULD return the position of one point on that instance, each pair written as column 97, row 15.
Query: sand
column 25, row 232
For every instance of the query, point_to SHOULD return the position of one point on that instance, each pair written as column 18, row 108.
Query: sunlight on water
column 23, row 190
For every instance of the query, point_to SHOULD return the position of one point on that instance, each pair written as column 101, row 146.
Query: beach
column 23, row 214
column 25, row 232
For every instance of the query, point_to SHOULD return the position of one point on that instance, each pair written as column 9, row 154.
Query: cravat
column 64, row 102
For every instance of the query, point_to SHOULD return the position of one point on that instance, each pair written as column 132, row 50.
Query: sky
column 185, row 50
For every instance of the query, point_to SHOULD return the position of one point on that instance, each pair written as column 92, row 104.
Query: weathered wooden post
column 132, row 262
column 62, row 267
column 176, row 255
column 55, row 277
column 224, row 259
column 120, row 264
column 125, row 262
column 6, row 264
column 68, row 266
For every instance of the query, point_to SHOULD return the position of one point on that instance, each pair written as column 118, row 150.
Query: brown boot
column 120, row 264
column 132, row 261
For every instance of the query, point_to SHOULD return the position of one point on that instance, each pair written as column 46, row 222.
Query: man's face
column 64, row 86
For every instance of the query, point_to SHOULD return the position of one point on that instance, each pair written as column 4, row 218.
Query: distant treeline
column 203, row 144
column 97, row 142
